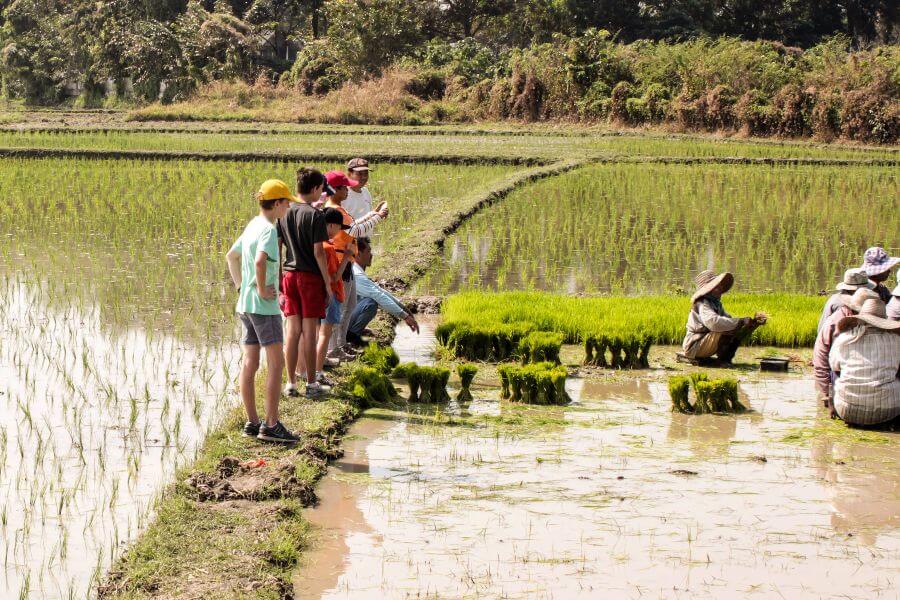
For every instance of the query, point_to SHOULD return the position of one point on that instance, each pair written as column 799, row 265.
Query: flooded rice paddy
column 94, row 420
column 613, row 496
column 648, row 229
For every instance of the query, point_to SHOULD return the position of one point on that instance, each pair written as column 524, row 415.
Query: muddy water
column 94, row 421
column 614, row 496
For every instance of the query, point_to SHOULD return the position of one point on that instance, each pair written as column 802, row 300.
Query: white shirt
column 867, row 392
column 358, row 204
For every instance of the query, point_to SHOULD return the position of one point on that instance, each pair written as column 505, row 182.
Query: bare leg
column 325, row 331
column 292, row 354
column 308, row 347
column 275, row 367
column 249, row 367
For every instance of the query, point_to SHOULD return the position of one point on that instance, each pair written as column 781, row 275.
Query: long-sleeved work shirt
column 831, row 307
column 707, row 316
column 866, row 361
column 824, row 340
column 366, row 288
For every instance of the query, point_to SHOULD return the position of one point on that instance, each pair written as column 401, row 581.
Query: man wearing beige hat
column 865, row 358
column 711, row 330
column 847, row 306
column 854, row 279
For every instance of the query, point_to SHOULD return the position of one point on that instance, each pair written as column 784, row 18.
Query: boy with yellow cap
column 253, row 264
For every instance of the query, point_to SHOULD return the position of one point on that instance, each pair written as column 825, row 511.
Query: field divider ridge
column 422, row 255
column 745, row 160
column 336, row 157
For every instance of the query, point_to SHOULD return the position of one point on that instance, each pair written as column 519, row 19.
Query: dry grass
column 382, row 101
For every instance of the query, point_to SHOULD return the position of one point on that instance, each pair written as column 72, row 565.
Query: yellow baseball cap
column 274, row 189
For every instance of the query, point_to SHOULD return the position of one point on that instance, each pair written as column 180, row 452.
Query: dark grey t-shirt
column 301, row 228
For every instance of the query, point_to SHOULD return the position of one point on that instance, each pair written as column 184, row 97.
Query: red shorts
column 303, row 293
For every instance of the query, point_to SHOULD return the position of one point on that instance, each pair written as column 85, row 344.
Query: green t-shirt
column 259, row 236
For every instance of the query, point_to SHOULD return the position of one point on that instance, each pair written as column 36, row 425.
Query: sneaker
column 277, row 433
column 332, row 362
column 323, row 379
column 291, row 391
column 351, row 349
column 316, row 390
column 342, row 356
column 251, row 429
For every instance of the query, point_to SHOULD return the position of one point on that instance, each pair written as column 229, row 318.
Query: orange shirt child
column 334, row 259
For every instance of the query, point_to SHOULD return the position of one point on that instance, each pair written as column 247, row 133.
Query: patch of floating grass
column 836, row 430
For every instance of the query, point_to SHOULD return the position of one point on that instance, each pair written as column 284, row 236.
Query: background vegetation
column 828, row 69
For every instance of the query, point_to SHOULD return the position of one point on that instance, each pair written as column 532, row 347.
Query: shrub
column 825, row 116
column 618, row 107
column 427, row 85
column 318, row 69
column 755, row 112
column 792, row 107
column 637, row 110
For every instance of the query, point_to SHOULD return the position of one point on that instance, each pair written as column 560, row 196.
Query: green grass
column 649, row 229
column 792, row 317
column 362, row 141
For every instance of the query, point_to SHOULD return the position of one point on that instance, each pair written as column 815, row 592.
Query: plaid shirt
column 867, row 363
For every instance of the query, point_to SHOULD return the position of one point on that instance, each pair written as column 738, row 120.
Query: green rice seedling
column 616, row 331
column 679, row 386
column 494, row 342
column 466, row 372
column 381, row 358
column 535, row 383
column 711, row 395
column 540, row 346
column 369, row 385
column 640, row 230
column 426, row 384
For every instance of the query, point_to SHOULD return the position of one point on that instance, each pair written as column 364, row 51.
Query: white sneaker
column 323, row 379
column 290, row 390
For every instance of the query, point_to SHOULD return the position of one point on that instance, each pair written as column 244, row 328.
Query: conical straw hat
column 707, row 281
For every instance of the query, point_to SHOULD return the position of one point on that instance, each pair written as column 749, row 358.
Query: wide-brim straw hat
column 872, row 313
column 877, row 261
column 855, row 279
column 896, row 291
column 855, row 301
column 707, row 281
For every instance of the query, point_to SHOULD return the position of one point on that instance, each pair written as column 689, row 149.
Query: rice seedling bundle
column 381, row 358
column 466, row 372
column 496, row 342
column 369, row 385
column 536, row 383
column 626, row 323
column 623, row 351
column 426, row 384
column 711, row 395
column 540, row 346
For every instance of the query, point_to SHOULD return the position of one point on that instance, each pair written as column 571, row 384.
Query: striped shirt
column 867, row 363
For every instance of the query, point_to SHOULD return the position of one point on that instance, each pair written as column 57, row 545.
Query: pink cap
column 338, row 179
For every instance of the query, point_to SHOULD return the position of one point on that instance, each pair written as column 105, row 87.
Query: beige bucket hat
column 707, row 281
column 855, row 279
column 855, row 301
column 871, row 312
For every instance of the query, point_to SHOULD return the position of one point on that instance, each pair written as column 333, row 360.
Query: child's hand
column 267, row 293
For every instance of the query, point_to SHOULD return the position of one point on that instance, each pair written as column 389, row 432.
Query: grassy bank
column 228, row 528
column 792, row 317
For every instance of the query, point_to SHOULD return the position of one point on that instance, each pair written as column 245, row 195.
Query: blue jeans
column 362, row 316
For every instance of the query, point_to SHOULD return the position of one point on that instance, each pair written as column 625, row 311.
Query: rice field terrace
column 116, row 340
column 648, row 229
column 530, row 145
column 119, row 356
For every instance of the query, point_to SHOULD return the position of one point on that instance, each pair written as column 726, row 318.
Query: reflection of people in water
column 865, row 485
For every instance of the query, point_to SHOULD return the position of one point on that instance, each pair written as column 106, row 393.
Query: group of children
column 293, row 260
